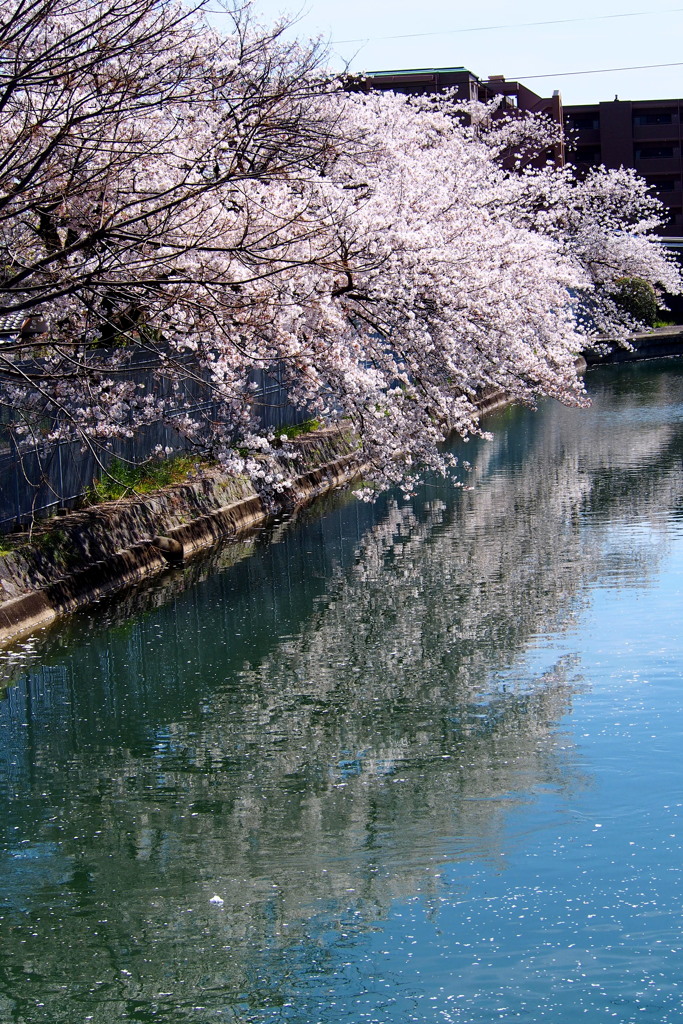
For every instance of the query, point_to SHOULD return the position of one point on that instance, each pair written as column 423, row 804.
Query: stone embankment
column 656, row 344
column 73, row 560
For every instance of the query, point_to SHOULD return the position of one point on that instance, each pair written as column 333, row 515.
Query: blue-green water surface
column 415, row 761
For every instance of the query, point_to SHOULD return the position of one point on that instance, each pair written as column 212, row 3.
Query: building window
column 653, row 117
column 664, row 184
column 587, row 155
column 583, row 122
column 655, row 152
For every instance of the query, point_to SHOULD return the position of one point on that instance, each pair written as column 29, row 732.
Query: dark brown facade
column 426, row 81
column 466, row 86
column 645, row 134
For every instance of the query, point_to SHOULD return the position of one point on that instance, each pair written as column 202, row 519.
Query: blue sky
column 500, row 38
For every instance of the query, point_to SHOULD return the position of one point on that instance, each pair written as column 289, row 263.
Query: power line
column 597, row 71
column 524, row 24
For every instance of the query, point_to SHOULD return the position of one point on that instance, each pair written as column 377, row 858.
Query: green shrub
column 637, row 298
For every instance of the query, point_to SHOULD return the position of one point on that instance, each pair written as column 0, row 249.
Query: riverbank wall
column 659, row 343
column 71, row 561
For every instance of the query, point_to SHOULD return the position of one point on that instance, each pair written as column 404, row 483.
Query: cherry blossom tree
column 214, row 205
column 141, row 191
column 605, row 221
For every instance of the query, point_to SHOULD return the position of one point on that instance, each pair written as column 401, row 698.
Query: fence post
column 61, row 475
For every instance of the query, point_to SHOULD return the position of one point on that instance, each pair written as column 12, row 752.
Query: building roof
column 16, row 326
column 418, row 71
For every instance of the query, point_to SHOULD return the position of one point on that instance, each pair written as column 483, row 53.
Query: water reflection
column 217, row 802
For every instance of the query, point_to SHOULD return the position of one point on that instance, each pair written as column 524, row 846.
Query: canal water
column 415, row 761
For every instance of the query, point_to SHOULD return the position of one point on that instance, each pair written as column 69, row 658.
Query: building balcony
column 671, row 199
column 585, row 136
column 658, row 165
column 657, row 133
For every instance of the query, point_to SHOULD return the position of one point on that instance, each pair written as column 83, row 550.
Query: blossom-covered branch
column 211, row 205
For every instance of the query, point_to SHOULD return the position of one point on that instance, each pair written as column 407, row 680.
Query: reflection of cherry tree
column 310, row 780
column 133, row 874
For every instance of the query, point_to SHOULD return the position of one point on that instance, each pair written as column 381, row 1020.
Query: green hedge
column 637, row 298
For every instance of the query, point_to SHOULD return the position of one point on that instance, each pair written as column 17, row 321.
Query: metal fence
column 37, row 481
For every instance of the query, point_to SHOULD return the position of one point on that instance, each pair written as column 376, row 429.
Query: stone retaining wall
column 660, row 343
column 76, row 559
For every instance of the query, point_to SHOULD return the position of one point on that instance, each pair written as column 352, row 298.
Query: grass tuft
column 307, row 427
column 125, row 478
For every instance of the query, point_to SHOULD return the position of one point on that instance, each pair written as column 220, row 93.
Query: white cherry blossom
column 209, row 205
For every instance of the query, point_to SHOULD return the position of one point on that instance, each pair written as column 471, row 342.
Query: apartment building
column 645, row 134
column 424, row 81
column 467, row 86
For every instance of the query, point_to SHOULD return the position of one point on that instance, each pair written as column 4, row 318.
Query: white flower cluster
column 374, row 253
